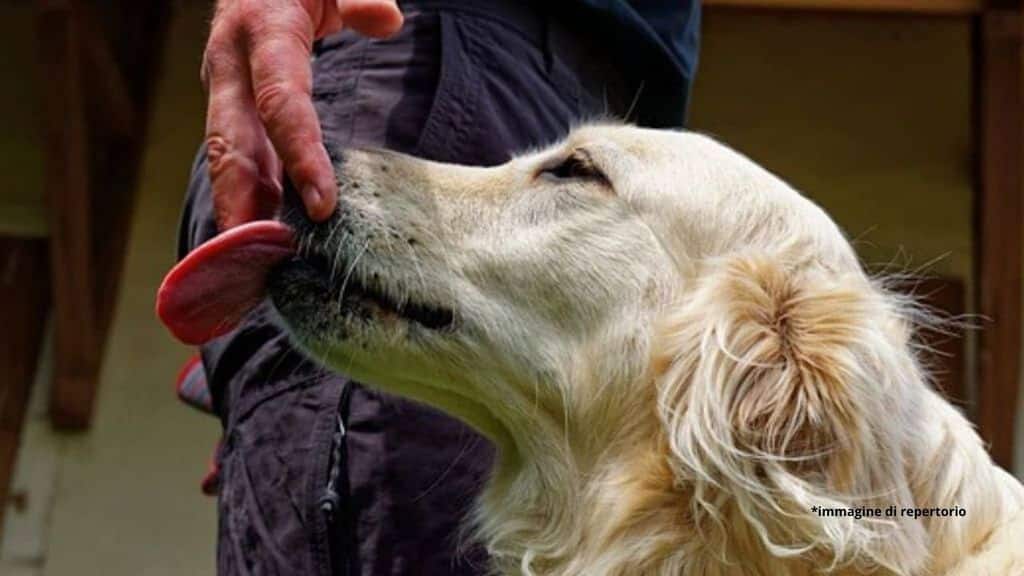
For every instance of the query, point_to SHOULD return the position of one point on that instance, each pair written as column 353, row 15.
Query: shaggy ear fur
column 781, row 390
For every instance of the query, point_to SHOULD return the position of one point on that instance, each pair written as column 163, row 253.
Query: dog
column 680, row 359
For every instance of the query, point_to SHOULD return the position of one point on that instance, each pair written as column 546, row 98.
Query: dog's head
column 621, row 275
column 521, row 291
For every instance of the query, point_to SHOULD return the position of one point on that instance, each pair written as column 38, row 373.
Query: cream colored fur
column 677, row 360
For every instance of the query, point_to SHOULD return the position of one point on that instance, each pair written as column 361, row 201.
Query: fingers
column 377, row 18
column 242, row 165
column 257, row 69
column 282, row 89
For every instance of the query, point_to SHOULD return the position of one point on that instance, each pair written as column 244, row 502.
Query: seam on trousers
column 444, row 133
column 359, row 100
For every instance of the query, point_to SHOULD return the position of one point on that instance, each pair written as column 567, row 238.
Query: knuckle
column 272, row 99
column 222, row 156
column 218, row 154
column 216, row 147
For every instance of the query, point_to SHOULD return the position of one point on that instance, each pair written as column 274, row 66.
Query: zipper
column 336, row 535
column 330, row 500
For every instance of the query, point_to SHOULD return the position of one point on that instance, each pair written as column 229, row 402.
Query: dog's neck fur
column 613, row 506
column 587, row 510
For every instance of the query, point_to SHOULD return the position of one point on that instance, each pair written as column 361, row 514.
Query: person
column 318, row 475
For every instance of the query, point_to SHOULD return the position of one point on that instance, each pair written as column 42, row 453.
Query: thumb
column 376, row 18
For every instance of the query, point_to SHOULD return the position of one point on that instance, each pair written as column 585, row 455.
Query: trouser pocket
column 276, row 462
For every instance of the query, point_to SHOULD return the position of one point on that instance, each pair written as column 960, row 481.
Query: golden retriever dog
column 682, row 363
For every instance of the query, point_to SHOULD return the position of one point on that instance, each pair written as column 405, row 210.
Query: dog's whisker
column 348, row 274
column 328, row 243
column 636, row 100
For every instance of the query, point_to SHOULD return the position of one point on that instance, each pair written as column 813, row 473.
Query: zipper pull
column 330, row 500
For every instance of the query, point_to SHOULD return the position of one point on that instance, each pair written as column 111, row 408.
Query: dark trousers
column 456, row 85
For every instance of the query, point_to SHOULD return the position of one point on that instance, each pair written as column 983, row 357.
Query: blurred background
column 903, row 118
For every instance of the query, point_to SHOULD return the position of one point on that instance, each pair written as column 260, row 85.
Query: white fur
column 675, row 366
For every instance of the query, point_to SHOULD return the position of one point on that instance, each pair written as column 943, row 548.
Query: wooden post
column 998, row 229
column 97, row 69
column 24, row 300
column 69, row 206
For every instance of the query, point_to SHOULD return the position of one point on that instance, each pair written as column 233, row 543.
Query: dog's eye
column 577, row 166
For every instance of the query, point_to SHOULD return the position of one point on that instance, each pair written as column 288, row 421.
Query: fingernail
column 311, row 197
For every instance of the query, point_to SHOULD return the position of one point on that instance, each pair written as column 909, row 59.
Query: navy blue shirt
column 659, row 41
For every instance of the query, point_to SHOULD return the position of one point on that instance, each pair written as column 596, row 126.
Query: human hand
column 260, row 113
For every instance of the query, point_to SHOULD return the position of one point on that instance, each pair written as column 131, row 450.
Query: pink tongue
column 216, row 285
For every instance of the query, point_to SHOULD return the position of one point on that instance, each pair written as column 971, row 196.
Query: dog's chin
column 370, row 339
column 319, row 311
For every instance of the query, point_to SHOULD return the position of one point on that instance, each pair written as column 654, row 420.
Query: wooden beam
column 67, row 184
column 998, row 226
column 98, row 64
column 933, row 7
column 136, row 35
column 113, row 94
column 24, row 300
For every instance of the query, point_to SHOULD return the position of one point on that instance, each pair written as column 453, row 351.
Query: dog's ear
column 783, row 387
